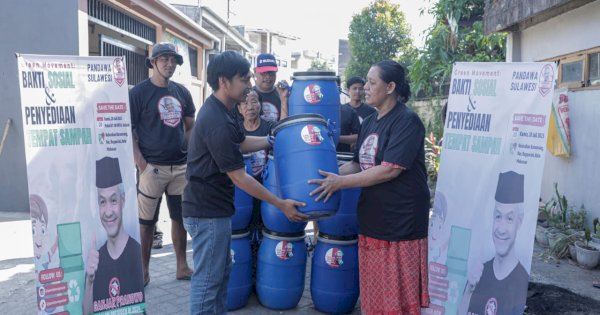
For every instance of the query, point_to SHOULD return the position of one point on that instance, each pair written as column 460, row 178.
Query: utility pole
column 228, row 11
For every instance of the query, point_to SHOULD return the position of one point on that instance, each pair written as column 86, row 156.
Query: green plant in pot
column 557, row 219
column 542, row 223
column 577, row 218
column 565, row 245
column 595, row 238
column 587, row 256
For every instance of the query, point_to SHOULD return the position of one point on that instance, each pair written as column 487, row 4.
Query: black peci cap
column 108, row 173
column 510, row 188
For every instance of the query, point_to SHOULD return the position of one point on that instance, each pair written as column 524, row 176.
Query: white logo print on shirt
column 170, row 111
column 368, row 151
column 270, row 112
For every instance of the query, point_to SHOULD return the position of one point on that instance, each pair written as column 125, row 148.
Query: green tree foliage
column 457, row 35
column 377, row 33
column 317, row 65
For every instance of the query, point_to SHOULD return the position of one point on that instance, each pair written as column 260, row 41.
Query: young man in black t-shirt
column 352, row 115
column 162, row 116
column 355, row 86
column 215, row 164
column 349, row 127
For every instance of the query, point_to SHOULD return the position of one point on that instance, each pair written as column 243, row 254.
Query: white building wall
column 578, row 177
column 570, row 32
column 30, row 27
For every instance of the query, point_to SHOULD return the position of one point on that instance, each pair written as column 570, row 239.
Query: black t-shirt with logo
column 506, row 296
column 363, row 110
column 119, row 277
column 258, row 158
column 214, row 150
column 397, row 209
column 157, row 115
column 271, row 105
column 349, row 125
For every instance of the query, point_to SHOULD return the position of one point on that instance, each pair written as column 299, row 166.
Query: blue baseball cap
column 266, row 63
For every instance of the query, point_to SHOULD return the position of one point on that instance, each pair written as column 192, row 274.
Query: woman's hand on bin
column 327, row 186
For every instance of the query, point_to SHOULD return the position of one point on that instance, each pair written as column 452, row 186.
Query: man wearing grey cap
column 499, row 286
column 162, row 117
column 113, row 271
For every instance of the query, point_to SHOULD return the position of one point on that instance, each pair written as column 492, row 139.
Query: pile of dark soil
column 543, row 299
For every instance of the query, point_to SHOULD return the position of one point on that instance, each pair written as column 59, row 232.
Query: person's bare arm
column 332, row 182
column 473, row 277
column 189, row 125
column 284, row 94
column 91, row 267
column 138, row 158
column 349, row 168
column 349, row 139
column 253, row 144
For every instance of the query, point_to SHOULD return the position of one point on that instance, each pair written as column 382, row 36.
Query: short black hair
column 227, row 64
column 354, row 80
column 392, row 71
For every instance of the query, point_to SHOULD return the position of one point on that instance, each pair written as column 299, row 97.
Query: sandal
column 157, row 243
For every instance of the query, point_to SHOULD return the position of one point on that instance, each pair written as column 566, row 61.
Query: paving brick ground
column 166, row 295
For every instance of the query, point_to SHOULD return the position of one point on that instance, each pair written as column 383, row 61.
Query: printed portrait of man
column 486, row 291
column 115, row 269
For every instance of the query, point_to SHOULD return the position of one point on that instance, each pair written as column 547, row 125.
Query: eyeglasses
column 167, row 59
column 268, row 74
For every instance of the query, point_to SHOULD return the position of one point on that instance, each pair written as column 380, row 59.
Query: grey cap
column 164, row 48
column 510, row 188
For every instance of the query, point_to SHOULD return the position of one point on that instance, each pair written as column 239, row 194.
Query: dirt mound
column 543, row 299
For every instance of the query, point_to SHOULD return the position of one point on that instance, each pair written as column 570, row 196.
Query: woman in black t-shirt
column 253, row 125
column 389, row 164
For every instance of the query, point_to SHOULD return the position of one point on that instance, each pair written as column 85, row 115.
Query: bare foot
column 185, row 274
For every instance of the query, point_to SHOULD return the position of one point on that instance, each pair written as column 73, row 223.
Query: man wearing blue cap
column 499, row 286
column 162, row 116
column 274, row 100
column 113, row 271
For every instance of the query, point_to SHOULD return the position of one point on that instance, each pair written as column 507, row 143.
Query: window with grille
column 105, row 13
column 594, row 68
column 579, row 70
column 193, row 54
